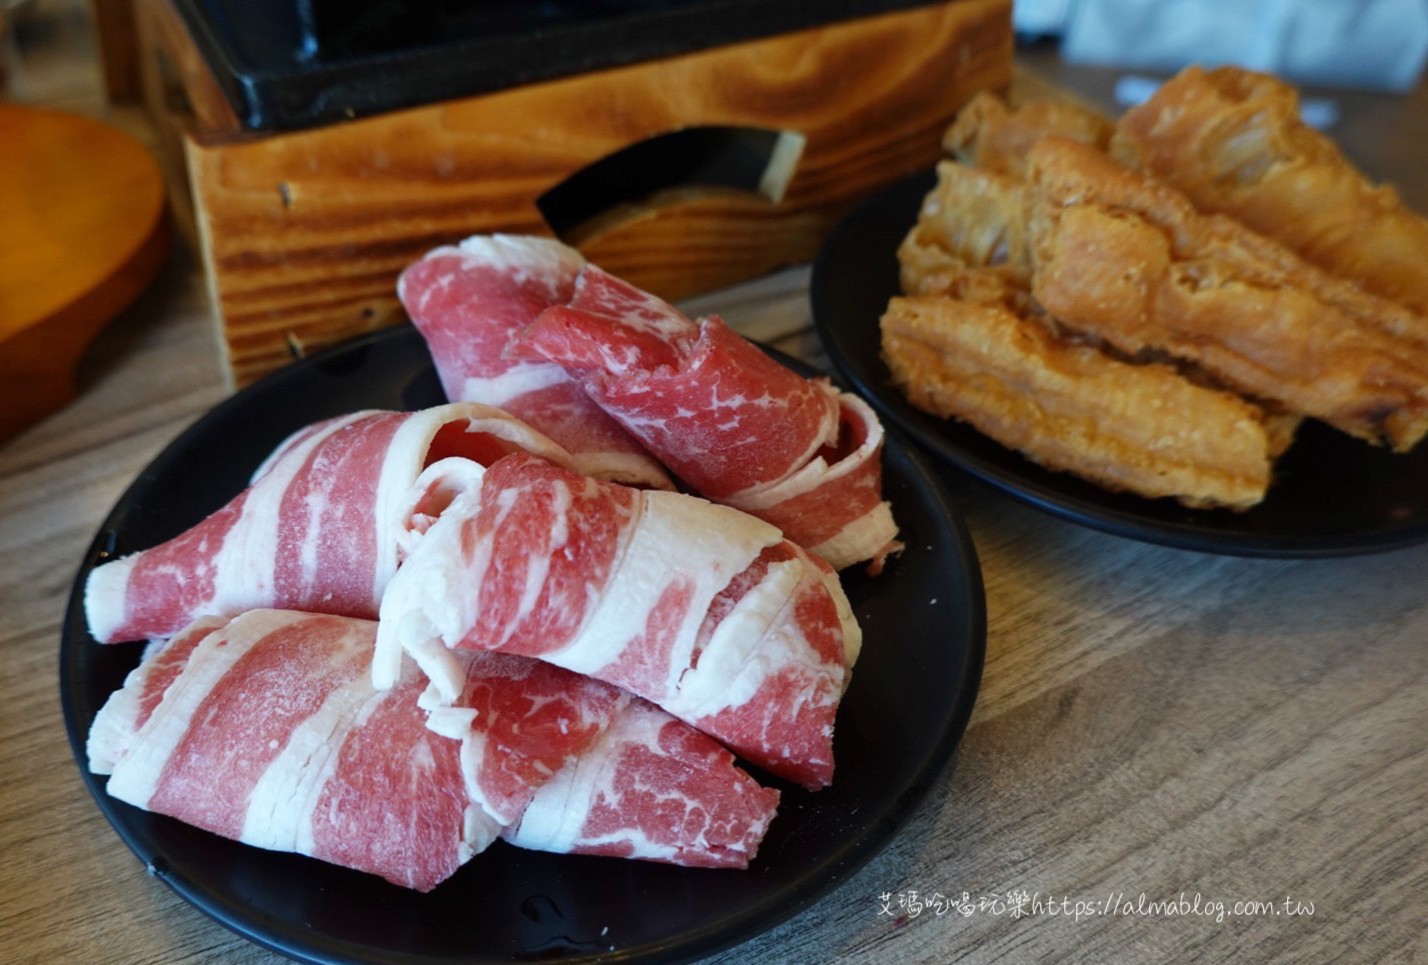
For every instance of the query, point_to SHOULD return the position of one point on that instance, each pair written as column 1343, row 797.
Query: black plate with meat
column 911, row 695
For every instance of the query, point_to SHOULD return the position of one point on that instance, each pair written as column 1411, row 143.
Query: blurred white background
column 1370, row 44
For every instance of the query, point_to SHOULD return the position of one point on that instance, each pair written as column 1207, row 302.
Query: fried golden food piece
column 971, row 218
column 989, row 135
column 1070, row 406
column 976, row 215
column 1232, row 140
column 1129, row 259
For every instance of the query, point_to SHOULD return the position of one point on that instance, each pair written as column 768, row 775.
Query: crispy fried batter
column 1233, row 141
column 1130, row 259
column 1072, row 407
column 976, row 215
column 990, row 136
column 972, row 218
column 1093, row 318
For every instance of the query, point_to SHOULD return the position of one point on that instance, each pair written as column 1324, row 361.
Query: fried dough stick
column 970, row 219
column 1232, row 140
column 991, row 136
column 1129, row 259
column 976, row 215
column 1071, row 406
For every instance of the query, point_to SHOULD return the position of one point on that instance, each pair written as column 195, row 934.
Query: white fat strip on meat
column 760, row 637
column 694, row 807
column 240, row 547
column 430, row 605
column 769, row 668
column 430, row 600
column 468, row 299
column 135, row 777
column 599, row 732
column 675, row 536
column 244, row 562
column 111, row 734
column 408, row 455
column 862, row 537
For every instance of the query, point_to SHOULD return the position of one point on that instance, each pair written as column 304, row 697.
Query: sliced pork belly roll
column 732, row 423
column 699, row 608
column 468, row 300
column 653, row 788
column 321, row 528
column 267, row 730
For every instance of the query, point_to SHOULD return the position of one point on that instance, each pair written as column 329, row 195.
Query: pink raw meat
column 650, row 788
column 322, row 527
column 520, row 721
column 272, row 735
column 699, row 608
column 468, row 300
column 267, row 730
column 129, row 708
column 728, row 420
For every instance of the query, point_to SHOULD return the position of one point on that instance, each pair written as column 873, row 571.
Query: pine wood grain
column 305, row 232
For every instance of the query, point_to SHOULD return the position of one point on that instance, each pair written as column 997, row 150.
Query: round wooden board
column 83, row 208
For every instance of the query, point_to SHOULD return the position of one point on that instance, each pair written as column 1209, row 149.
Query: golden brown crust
column 989, row 135
column 1232, row 140
column 1071, row 407
column 1129, row 259
column 1093, row 318
column 971, row 218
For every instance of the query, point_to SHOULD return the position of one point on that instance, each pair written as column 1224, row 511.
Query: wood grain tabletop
column 1174, row 756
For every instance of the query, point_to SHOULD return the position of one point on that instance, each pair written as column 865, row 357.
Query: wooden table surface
column 1160, row 734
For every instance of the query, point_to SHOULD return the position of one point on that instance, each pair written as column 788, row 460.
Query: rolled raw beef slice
column 468, row 300
column 322, row 528
column 696, row 393
column 835, row 504
column 272, row 735
column 727, row 419
column 703, row 610
column 653, row 788
column 267, row 730
column 519, row 721
column 111, row 734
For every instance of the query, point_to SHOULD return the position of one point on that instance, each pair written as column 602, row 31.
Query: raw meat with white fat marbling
column 643, row 790
column 699, row 608
column 267, row 730
column 727, row 419
column 272, row 734
column 468, row 300
column 322, row 527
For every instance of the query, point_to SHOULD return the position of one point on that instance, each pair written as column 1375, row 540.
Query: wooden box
column 681, row 173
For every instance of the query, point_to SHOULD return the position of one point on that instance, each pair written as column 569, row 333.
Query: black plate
column 925, row 626
column 1332, row 494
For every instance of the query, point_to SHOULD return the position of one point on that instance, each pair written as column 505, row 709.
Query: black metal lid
column 290, row 64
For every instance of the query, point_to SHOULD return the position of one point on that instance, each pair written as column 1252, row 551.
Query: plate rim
column 721, row 935
column 1035, row 486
